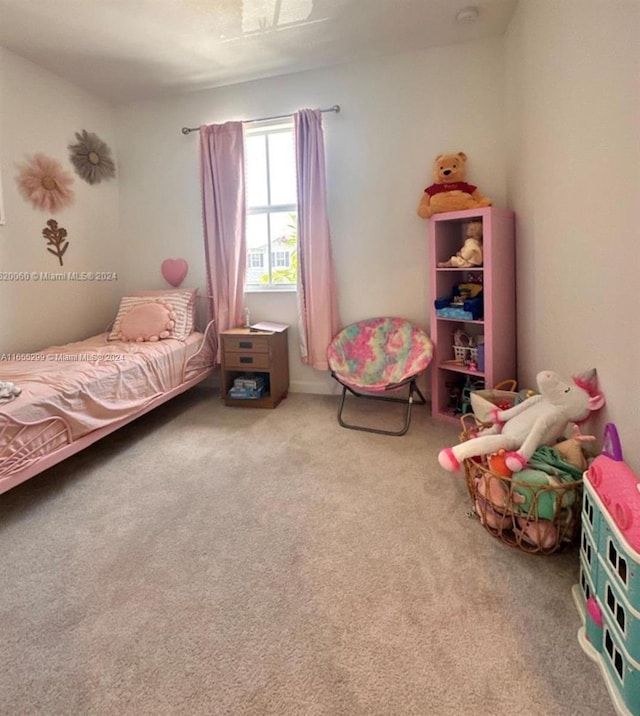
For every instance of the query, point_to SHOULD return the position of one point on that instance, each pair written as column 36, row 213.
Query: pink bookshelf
column 498, row 322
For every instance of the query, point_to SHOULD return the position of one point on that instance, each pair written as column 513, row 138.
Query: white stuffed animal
column 470, row 255
column 539, row 420
column 8, row 391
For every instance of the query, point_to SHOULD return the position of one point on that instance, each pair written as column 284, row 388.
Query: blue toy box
column 470, row 309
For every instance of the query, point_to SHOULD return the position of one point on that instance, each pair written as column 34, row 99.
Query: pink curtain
column 223, row 204
column 318, row 319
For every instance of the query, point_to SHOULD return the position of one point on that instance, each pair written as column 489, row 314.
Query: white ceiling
column 131, row 49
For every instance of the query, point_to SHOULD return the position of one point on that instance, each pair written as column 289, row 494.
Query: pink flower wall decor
column 45, row 184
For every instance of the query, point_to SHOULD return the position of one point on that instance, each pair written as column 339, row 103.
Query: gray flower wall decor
column 91, row 158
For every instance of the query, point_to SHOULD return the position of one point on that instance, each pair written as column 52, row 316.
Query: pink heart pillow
column 174, row 271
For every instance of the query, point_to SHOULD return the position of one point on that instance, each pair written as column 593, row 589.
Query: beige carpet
column 212, row 560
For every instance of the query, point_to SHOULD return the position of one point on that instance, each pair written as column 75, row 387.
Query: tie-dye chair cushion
column 379, row 353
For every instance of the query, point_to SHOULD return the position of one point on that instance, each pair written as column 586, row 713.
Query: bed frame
column 21, row 465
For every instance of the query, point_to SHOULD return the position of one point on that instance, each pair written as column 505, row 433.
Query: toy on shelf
column 450, row 191
column 608, row 594
column 539, row 420
column 460, row 392
column 470, row 384
column 466, row 349
column 465, row 302
column 470, row 254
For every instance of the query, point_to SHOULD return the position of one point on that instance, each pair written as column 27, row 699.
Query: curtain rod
column 335, row 108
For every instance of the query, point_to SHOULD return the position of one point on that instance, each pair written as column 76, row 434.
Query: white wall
column 563, row 151
column 397, row 114
column 573, row 98
column 39, row 112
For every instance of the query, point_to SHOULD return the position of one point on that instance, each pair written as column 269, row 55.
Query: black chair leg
column 408, row 402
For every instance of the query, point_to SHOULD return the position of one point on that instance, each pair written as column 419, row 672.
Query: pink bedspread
column 95, row 382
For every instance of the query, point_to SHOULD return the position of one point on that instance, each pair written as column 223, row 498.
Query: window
column 586, row 589
column 588, row 508
column 255, row 260
column 280, row 259
column 614, row 654
column 272, row 205
column 616, row 609
column 618, row 562
column 586, row 548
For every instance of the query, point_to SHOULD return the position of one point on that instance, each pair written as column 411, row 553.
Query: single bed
column 75, row 394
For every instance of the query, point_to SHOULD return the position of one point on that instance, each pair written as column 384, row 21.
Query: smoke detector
column 468, row 14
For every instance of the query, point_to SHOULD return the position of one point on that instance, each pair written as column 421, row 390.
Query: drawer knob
column 245, row 344
column 246, row 359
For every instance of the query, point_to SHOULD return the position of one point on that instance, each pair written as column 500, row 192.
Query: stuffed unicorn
column 539, row 420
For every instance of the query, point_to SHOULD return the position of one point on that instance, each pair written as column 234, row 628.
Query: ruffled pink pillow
column 149, row 321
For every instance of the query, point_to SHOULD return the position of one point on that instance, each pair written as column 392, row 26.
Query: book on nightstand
column 268, row 327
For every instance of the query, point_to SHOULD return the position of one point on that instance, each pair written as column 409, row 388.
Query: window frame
column 266, row 128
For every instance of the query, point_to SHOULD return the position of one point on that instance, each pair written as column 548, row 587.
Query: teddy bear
column 450, row 191
column 470, row 254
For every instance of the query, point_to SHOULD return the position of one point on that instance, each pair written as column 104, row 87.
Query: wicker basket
column 499, row 504
column 484, row 401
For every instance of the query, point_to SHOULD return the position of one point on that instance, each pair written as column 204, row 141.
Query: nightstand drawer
column 247, row 344
column 246, row 361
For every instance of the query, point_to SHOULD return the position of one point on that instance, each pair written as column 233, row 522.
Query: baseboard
column 331, row 388
column 313, row 387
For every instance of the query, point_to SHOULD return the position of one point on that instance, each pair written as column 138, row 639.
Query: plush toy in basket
column 536, row 510
column 533, row 496
column 539, row 420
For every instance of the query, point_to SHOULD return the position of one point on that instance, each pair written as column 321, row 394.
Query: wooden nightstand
column 266, row 354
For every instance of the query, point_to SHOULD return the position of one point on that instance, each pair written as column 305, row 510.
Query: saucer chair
column 378, row 357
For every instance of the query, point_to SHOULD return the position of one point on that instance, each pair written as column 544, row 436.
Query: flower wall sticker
column 91, row 158
column 45, row 184
column 55, row 237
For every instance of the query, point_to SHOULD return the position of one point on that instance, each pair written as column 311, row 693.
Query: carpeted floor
column 212, row 560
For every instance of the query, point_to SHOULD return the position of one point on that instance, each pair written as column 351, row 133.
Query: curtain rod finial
column 336, row 108
column 186, row 130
